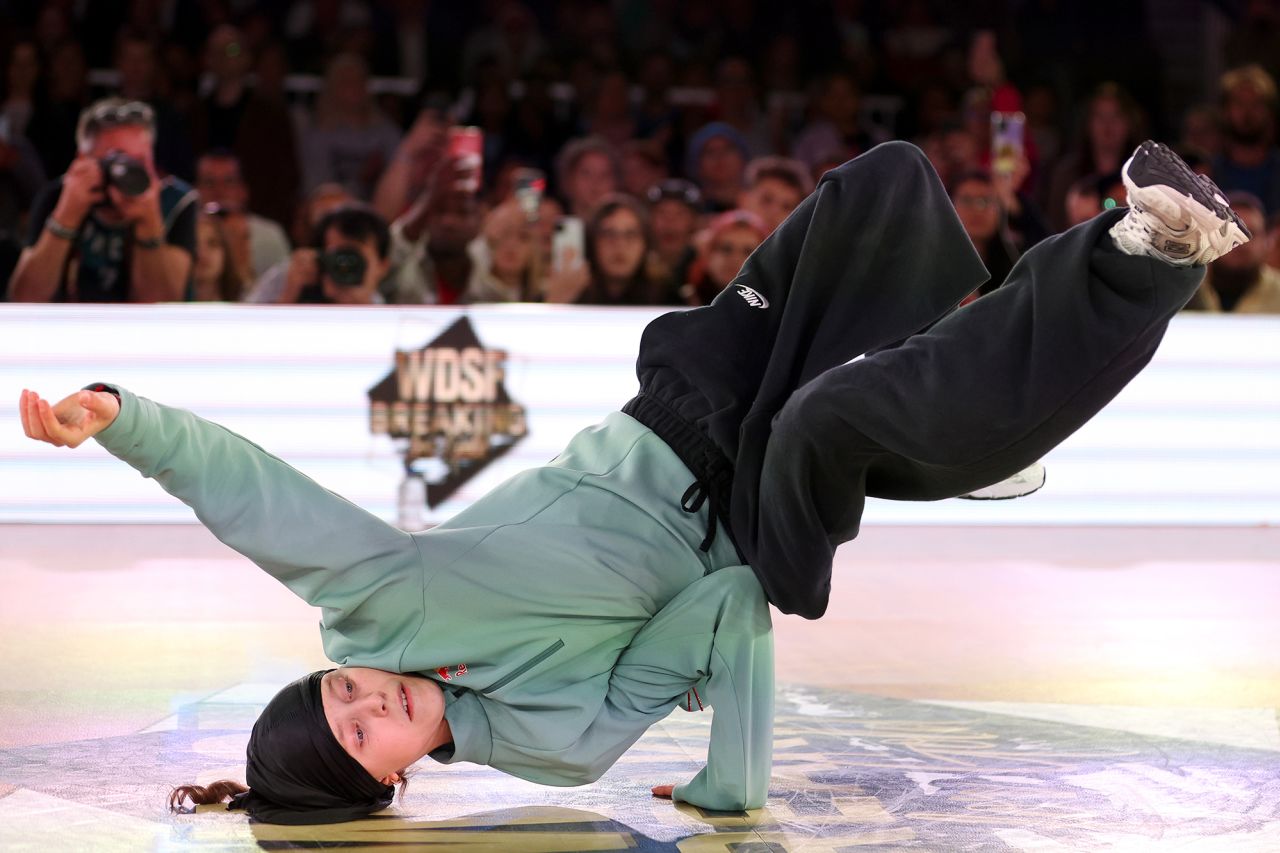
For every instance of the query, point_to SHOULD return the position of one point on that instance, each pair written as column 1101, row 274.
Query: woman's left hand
column 663, row 791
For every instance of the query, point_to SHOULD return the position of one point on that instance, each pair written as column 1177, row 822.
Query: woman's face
column 620, row 244
column 211, row 257
column 384, row 720
column 510, row 238
column 979, row 209
column 591, row 179
column 1108, row 125
column 728, row 251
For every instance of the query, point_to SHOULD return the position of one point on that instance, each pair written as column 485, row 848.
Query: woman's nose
column 374, row 703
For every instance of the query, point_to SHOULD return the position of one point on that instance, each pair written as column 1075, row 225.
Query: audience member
column 349, row 141
column 434, row 244
column 227, row 63
column 617, row 243
column 716, row 161
column 836, row 122
column 215, row 277
column 1091, row 195
column 737, row 104
column 1001, row 224
column 267, row 141
column 506, row 255
column 730, row 239
column 137, row 64
column 675, row 214
column 52, row 129
column 775, row 187
column 348, row 261
column 587, row 171
column 1240, row 282
column 255, row 243
column 110, row 229
column 414, row 162
column 1110, row 129
column 21, row 82
column 608, row 114
column 320, row 203
column 1249, row 159
column 642, row 166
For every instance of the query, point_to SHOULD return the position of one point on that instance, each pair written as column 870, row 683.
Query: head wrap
column 297, row 771
column 705, row 134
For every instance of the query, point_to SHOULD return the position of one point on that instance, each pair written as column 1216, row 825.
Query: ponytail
column 216, row 792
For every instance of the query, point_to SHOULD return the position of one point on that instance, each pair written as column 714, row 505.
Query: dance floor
column 978, row 688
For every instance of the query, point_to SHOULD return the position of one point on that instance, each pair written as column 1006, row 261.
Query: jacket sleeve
column 328, row 551
column 714, row 638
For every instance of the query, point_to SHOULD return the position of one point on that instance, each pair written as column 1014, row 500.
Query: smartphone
column 1008, row 131
column 529, row 189
column 466, row 147
column 567, row 244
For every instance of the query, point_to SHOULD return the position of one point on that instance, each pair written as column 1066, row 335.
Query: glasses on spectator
column 978, row 202
column 732, row 248
column 628, row 235
column 676, row 189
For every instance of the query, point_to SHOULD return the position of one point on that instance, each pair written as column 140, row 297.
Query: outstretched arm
column 325, row 549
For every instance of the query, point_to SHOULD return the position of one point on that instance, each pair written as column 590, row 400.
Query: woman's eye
column 359, row 736
column 349, row 687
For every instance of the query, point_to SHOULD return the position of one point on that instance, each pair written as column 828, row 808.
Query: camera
column 125, row 173
column 345, row 267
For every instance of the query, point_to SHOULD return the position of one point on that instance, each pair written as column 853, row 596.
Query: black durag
column 297, row 771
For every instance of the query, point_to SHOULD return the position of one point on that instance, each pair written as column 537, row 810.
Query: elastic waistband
column 712, row 470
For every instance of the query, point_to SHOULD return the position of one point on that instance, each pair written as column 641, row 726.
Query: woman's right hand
column 72, row 421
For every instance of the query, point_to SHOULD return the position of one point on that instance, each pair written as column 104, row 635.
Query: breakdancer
column 546, row 627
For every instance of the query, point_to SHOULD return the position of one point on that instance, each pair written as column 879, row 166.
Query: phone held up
column 567, row 244
column 466, row 149
column 1008, row 132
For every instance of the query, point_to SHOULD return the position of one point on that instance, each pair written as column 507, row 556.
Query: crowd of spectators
column 632, row 153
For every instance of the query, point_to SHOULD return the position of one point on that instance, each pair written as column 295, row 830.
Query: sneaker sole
column 1159, row 181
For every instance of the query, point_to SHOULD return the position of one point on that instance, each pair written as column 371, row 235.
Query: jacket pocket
column 524, row 667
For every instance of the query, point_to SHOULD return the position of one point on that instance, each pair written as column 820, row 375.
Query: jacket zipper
column 528, row 665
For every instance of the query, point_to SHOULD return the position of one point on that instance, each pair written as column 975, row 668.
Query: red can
column 466, row 148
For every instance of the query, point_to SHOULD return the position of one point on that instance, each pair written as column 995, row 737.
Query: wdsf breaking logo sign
column 449, row 402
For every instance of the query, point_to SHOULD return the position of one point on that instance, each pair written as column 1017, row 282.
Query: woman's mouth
column 405, row 703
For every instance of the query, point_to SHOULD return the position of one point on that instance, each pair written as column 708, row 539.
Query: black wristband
column 102, row 386
column 148, row 242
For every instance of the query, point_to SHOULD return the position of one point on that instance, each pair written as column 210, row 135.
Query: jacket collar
column 472, row 738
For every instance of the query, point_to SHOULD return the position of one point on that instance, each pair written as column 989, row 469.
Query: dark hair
column 576, row 149
column 1110, row 92
column 639, row 290
column 1241, row 198
column 790, row 172
column 224, row 789
column 230, row 285
column 965, row 177
column 356, row 221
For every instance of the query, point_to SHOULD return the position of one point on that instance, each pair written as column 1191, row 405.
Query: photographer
column 110, row 230
column 348, row 262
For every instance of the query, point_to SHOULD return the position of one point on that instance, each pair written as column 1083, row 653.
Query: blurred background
column 632, row 152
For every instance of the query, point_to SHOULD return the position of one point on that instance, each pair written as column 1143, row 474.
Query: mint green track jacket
column 564, row 613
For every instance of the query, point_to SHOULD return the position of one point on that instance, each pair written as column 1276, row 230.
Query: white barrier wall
column 1194, row 440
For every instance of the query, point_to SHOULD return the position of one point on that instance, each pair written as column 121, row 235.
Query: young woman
column 729, row 241
column 545, row 628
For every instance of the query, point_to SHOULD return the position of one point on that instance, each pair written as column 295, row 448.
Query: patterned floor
column 974, row 690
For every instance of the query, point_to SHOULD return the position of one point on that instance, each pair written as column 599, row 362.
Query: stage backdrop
column 1194, row 440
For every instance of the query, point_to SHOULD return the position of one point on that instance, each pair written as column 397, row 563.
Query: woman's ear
column 391, row 779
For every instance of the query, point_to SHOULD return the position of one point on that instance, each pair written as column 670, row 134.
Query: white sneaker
column 1028, row 480
column 1174, row 214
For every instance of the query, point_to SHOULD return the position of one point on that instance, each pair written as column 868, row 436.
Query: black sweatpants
column 872, row 257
